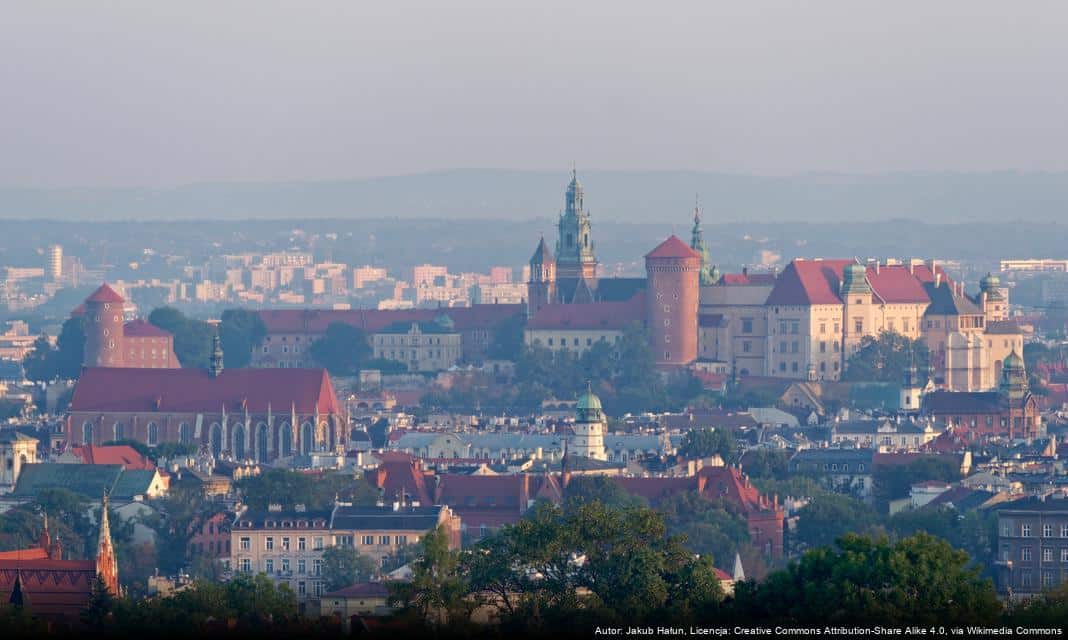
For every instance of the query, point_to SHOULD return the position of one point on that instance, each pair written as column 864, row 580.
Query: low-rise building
column 1032, row 547
column 421, row 346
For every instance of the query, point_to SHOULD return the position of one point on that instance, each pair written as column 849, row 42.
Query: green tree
column 766, row 463
column 600, row 489
column 920, row 580
column 342, row 349
column 240, row 331
column 436, row 594
column 828, row 516
column 314, row 491
column 891, row 482
column 192, row 338
column 886, row 358
column 344, row 566
column 40, row 364
column 702, row 443
column 98, row 613
column 507, row 342
column 713, row 529
column 70, row 348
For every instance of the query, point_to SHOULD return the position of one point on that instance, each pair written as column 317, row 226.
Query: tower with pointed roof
column 992, row 299
column 697, row 243
column 541, row 288
column 672, row 297
column 104, row 328
column 216, row 356
column 590, row 424
column 107, row 566
column 575, row 257
column 858, row 310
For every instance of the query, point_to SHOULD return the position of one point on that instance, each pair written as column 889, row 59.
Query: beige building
column 422, row 346
column 810, row 319
column 16, row 451
column 288, row 545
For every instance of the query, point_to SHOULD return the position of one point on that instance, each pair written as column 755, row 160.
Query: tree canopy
column 886, row 358
column 45, row 363
column 192, row 338
column 344, row 566
column 342, row 349
column 702, row 443
column 240, row 331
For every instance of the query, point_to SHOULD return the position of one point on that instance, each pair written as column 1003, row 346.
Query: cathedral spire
column 106, row 564
column 697, row 243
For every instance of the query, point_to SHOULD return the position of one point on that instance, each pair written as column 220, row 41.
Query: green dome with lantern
column 588, row 408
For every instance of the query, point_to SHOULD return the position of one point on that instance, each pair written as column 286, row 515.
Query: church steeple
column 107, row 566
column 575, row 257
column 697, row 243
column 541, row 287
column 216, row 356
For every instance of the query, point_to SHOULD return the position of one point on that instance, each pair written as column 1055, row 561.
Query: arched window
column 185, row 434
column 216, row 439
column 87, row 433
column 285, row 438
column 262, row 436
column 120, row 431
column 307, row 438
column 153, row 434
column 239, row 442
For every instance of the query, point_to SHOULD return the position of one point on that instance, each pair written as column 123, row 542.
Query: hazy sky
column 161, row 93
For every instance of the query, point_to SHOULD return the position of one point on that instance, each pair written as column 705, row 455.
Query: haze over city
column 533, row 319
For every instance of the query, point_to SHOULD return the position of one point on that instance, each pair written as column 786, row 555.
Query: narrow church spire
column 106, row 564
column 216, row 356
column 697, row 243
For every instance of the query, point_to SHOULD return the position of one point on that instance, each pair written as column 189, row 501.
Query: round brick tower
column 103, row 328
column 673, row 272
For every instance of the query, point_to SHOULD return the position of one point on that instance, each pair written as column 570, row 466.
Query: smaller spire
column 216, row 356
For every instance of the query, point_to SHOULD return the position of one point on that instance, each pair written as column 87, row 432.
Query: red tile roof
column 591, row 315
column 124, row 455
column 479, row 316
column 809, row 282
column 673, row 247
column 749, row 278
column 53, row 588
column 34, row 553
column 105, row 294
column 143, row 329
column 194, row 390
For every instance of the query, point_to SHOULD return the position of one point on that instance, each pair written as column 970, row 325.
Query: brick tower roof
column 105, row 294
column 673, row 247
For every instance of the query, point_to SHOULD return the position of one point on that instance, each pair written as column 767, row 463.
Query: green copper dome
column 1012, row 361
column 588, row 401
column 989, row 281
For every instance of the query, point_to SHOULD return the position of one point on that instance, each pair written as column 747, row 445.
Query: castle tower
column 672, row 296
column 104, row 328
column 575, row 257
column 107, row 566
column 1014, row 384
column 541, row 288
column 857, row 311
column 697, row 243
column 992, row 300
column 590, row 423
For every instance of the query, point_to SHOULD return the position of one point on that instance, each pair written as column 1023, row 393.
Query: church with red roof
column 238, row 414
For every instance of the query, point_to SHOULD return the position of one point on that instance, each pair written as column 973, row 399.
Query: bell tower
column 541, row 289
column 104, row 328
column 575, row 257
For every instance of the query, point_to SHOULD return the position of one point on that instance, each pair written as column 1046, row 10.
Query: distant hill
column 619, row 196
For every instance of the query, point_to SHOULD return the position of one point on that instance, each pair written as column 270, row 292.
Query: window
column 268, row 565
column 823, row 327
column 302, row 588
column 1047, row 531
column 302, row 566
column 1064, row 530
column 1047, row 579
column 318, row 567
column 1064, row 555
column 368, row 540
column 782, row 346
column 318, row 589
column 285, row 544
column 285, row 565
column 1025, row 531
column 1047, row 554
column 246, row 565
column 302, row 544
column 858, row 325
column 268, row 543
column 153, row 434
column 382, row 540
column 400, row 540
column 747, row 325
column 747, row 346
column 823, row 346
column 794, row 346
column 246, row 543
column 1025, row 554
column 318, row 544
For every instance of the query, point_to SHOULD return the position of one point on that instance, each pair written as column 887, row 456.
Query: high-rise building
column 54, row 269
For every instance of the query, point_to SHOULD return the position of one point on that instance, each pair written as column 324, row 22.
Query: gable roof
column 592, row 316
column 88, row 480
column 124, row 455
column 673, row 247
column 112, row 389
column 962, row 402
column 386, row 518
column 946, row 302
column 809, row 282
column 140, row 328
column 479, row 316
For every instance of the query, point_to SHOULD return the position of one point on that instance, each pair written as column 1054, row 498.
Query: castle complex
column 803, row 323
